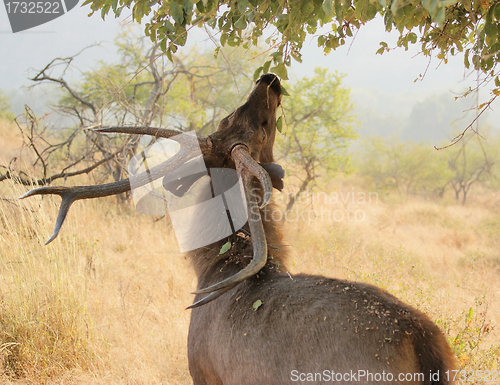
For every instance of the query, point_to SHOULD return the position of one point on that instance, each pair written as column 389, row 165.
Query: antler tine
column 256, row 229
column 179, row 136
column 71, row 194
column 189, row 148
column 211, row 296
column 158, row 132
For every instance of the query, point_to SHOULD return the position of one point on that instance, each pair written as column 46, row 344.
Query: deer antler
column 189, row 148
column 248, row 168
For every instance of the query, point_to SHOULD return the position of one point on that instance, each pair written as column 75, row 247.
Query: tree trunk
column 294, row 197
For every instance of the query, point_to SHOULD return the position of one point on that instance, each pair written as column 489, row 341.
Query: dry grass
column 10, row 140
column 441, row 258
column 104, row 303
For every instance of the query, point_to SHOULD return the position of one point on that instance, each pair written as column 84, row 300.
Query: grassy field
column 105, row 302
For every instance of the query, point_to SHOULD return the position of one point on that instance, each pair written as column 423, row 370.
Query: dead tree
column 135, row 91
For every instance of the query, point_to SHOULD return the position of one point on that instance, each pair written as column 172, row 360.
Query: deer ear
column 276, row 173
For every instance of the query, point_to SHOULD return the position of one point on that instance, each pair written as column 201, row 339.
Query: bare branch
column 42, row 76
column 48, row 180
column 460, row 136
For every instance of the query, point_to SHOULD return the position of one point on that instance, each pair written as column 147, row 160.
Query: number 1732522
column 34, row 7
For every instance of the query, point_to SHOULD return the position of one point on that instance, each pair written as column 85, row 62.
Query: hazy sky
column 61, row 37
column 382, row 85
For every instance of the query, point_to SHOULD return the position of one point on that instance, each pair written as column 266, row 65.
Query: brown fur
column 305, row 323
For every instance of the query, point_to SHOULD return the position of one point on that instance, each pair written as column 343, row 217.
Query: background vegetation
column 441, row 28
column 390, row 164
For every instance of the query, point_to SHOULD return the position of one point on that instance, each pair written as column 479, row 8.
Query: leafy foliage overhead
column 447, row 26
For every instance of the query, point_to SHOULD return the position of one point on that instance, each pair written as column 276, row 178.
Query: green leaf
column 223, row 39
column 176, row 13
column 256, row 74
column 104, row 10
column 279, row 124
column 241, row 23
column 234, row 41
column 169, row 26
column 265, row 67
column 242, row 5
column 328, row 7
column 388, row 19
column 257, row 304
column 284, row 92
column 496, row 11
column 440, row 15
column 297, row 56
column 281, row 71
column 371, row 11
column 476, row 60
column 339, row 10
column 163, row 45
column 226, row 27
column 307, row 7
column 211, row 22
column 152, row 34
column 428, row 4
column 466, row 58
column 250, row 15
column 362, row 10
column 395, row 3
column 169, row 55
column 490, row 29
column 225, row 247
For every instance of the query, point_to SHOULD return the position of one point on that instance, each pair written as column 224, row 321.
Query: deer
column 252, row 322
